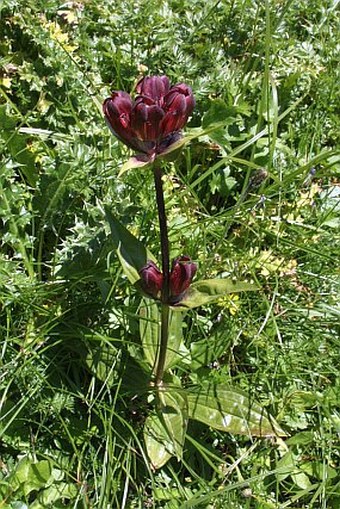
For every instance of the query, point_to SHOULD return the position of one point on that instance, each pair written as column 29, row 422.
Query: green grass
column 72, row 404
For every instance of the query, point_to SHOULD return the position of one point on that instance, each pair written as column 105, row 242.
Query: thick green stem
column 163, row 346
column 166, row 275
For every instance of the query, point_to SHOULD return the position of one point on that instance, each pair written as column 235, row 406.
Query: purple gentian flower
column 182, row 272
column 151, row 122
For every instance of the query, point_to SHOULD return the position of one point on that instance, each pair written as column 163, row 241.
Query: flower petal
column 117, row 111
column 155, row 87
column 146, row 121
column 151, row 279
column 182, row 272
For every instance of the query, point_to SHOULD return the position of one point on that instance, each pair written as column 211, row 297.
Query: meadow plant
column 90, row 369
column 151, row 125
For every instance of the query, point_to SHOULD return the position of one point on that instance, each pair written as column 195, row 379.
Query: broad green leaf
column 301, row 480
column 228, row 409
column 159, row 447
column 101, row 361
column 288, row 466
column 131, row 252
column 174, row 354
column 57, row 491
column 136, row 376
column 285, row 466
column 173, row 407
column 33, row 476
column 129, row 270
column 149, row 328
column 164, row 432
column 211, row 290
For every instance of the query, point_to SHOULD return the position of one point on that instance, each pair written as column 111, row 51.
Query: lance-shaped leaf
column 164, row 432
column 157, row 442
column 173, row 407
column 149, row 328
column 228, row 409
column 175, row 340
column 102, row 361
column 211, row 290
column 131, row 252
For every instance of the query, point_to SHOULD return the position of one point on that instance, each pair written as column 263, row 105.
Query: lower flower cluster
column 182, row 272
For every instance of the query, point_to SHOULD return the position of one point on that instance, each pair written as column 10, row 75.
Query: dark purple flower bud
column 152, row 122
column 175, row 117
column 151, row 279
column 182, row 272
column 117, row 110
column 182, row 90
column 178, row 104
column 155, row 87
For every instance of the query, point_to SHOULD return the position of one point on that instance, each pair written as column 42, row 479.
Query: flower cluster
column 151, row 122
column 181, row 275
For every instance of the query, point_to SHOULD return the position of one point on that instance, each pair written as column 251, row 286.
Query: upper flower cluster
column 151, row 122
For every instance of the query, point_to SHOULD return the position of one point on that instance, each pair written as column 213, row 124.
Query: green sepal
column 135, row 162
column 144, row 161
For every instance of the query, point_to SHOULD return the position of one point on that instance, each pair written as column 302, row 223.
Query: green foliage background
column 258, row 198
